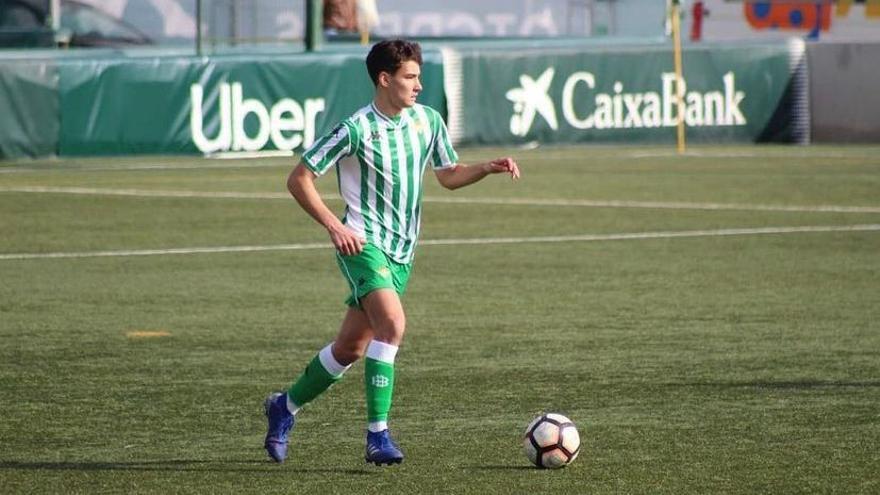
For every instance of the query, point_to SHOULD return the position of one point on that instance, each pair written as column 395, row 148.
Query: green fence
column 116, row 105
column 29, row 108
column 109, row 103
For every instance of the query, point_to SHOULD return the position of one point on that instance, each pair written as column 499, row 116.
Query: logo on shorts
column 380, row 381
column 384, row 272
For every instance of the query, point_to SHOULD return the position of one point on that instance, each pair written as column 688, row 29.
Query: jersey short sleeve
column 443, row 155
column 329, row 149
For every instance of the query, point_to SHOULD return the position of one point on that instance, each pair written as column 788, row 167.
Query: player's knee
column 390, row 328
column 347, row 354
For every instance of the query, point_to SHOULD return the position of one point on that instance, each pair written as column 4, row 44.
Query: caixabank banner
column 733, row 93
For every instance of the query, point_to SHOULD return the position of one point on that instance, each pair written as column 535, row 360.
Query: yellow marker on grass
column 147, row 334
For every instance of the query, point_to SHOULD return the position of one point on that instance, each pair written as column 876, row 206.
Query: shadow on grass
column 173, row 465
column 782, row 384
column 501, row 468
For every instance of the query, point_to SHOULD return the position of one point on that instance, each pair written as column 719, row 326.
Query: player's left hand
column 502, row 165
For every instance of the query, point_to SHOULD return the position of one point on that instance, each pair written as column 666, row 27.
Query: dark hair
column 389, row 55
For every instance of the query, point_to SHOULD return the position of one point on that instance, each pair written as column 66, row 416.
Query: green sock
column 379, row 382
column 311, row 383
column 379, row 379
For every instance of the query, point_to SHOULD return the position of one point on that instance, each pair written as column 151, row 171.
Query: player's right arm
column 301, row 184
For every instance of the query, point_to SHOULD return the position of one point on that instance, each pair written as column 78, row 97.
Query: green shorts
column 369, row 270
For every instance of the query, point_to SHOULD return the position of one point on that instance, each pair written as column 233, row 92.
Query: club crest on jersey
column 374, row 136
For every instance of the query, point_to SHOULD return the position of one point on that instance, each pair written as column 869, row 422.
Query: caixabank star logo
column 530, row 99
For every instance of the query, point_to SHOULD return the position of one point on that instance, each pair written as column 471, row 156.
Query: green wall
column 106, row 102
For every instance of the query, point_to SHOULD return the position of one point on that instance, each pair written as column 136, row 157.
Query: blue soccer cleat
column 280, row 424
column 381, row 449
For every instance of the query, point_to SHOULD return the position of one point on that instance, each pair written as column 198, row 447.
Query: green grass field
column 728, row 343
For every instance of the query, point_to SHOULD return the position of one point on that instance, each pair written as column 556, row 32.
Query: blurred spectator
column 368, row 16
column 340, row 16
column 350, row 16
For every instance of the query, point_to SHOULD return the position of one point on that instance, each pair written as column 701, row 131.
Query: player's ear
column 384, row 79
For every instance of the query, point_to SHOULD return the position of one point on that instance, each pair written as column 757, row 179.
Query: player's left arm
column 463, row 175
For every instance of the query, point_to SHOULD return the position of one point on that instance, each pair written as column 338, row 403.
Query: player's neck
column 385, row 106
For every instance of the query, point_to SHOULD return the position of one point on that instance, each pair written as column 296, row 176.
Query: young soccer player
column 380, row 154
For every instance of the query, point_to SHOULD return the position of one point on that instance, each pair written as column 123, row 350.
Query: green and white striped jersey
column 380, row 163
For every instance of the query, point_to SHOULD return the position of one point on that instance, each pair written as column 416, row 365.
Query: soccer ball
column 551, row 441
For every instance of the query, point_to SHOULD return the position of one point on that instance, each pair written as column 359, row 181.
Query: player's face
column 404, row 85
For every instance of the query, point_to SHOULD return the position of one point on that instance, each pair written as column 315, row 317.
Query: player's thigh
column 366, row 272
column 385, row 312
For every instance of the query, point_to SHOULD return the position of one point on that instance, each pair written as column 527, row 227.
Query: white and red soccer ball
column 551, row 441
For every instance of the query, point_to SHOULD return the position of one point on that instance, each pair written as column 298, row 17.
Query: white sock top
column 381, row 351
column 330, row 363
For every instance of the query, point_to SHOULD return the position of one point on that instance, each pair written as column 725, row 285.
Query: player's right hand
column 346, row 241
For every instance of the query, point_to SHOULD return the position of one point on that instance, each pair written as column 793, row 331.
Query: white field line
column 790, row 152
column 461, row 242
column 675, row 205
column 670, row 205
column 158, row 252
column 144, row 193
column 548, row 153
column 222, row 162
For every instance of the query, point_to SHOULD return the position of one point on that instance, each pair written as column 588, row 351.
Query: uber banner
column 217, row 104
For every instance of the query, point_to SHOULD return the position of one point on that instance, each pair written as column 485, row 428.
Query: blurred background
column 806, row 69
column 181, row 22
